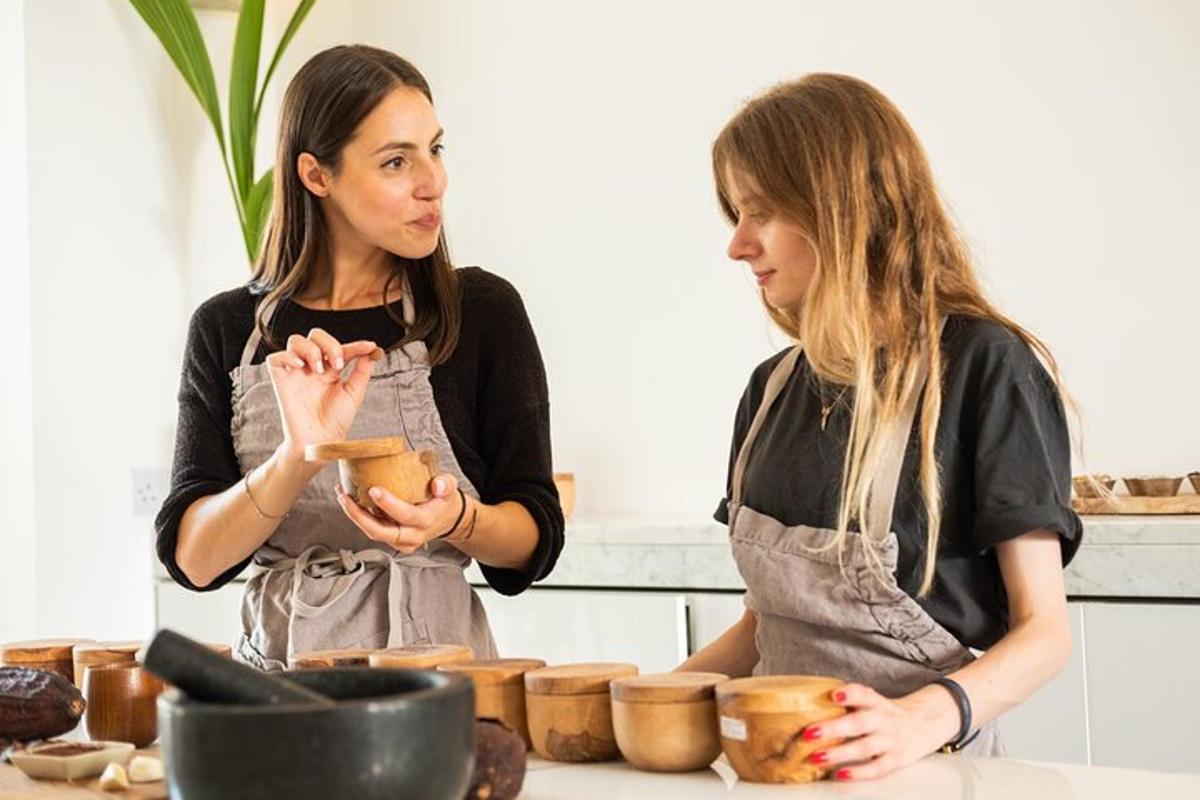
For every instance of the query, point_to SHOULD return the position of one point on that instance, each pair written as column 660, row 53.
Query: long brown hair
column 838, row 161
column 323, row 105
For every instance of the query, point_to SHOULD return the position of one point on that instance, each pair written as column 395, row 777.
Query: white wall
column 1063, row 135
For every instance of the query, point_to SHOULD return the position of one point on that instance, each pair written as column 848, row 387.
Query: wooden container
column 1194, row 480
column 422, row 656
column 667, row 723
column 385, row 462
column 90, row 653
column 565, row 483
column 121, row 703
column 1153, row 486
column 761, row 720
column 569, row 709
column 499, row 689
column 52, row 655
column 326, row 659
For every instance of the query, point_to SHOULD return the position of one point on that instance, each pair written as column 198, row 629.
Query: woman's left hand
column 408, row 526
column 882, row 734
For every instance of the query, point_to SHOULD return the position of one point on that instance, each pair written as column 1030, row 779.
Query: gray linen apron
column 319, row 583
column 816, row 616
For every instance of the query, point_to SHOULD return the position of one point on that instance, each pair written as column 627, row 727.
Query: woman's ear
column 313, row 175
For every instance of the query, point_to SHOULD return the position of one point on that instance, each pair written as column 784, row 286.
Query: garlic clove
column 145, row 769
column 114, row 778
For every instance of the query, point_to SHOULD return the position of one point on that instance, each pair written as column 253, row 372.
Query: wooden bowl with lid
column 499, row 689
column 91, row 653
column 569, row 709
column 387, row 462
column 52, row 655
column 668, row 722
column 327, row 659
column 761, row 720
column 421, row 656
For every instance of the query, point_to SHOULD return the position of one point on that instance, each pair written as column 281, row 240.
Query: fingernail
column 338, row 362
column 811, row 734
column 839, row 697
column 439, row 487
column 819, row 757
column 320, row 367
column 376, row 493
column 843, row 775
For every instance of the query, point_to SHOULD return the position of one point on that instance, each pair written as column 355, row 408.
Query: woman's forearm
column 733, row 653
column 221, row 530
column 504, row 535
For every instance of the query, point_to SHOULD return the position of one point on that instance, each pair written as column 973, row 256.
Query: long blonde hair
column 836, row 159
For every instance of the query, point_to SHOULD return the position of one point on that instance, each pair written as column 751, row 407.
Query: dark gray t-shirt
column 1004, row 453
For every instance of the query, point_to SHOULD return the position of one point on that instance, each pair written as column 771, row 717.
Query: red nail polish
column 839, row 696
column 819, row 757
column 843, row 775
column 811, row 734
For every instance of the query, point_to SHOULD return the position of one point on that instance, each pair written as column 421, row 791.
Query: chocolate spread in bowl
column 67, row 749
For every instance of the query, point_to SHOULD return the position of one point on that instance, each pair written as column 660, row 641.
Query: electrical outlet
column 149, row 490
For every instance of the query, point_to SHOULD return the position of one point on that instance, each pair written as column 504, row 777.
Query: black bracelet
column 964, row 736
column 461, row 513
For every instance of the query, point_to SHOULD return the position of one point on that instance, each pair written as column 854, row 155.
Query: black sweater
column 491, row 394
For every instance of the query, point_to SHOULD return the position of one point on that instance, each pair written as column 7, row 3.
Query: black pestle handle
column 212, row 678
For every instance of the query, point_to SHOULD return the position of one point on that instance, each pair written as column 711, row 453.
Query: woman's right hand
column 315, row 404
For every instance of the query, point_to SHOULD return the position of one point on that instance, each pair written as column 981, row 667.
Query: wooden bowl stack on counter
column 668, row 722
column 326, row 659
column 94, row 653
column 421, row 656
column 499, row 689
column 761, row 720
column 569, row 709
column 52, row 655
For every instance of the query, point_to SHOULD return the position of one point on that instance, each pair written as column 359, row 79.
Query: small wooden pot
column 667, row 723
column 422, row 656
column 569, row 709
column 52, row 655
column 1153, row 486
column 385, row 462
column 121, row 703
column 761, row 720
column 1194, row 479
column 327, row 659
column 95, row 653
column 500, row 689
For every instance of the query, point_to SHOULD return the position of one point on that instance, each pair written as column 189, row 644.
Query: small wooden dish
column 761, row 720
column 668, row 722
column 94, row 653
column 499, row 689
column 386, row 462
column 424, row 656
column 1086, row 485
column 40, row 762
column 565, row 483
column 327, row 659
column 121, row 703
column 569, row 709
column 1194, row 480
column 1153, row 486
column 52, row 655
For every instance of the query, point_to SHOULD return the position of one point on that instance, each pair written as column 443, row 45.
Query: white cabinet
column 1143, row 662
column 206, row 616
column 1052, row 724
column 711, row 614
column 566, row 625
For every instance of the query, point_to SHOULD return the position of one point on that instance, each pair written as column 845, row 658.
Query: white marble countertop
column 1121, row 556
column 937, row 777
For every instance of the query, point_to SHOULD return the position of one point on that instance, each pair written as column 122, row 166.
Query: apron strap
column 775, row 383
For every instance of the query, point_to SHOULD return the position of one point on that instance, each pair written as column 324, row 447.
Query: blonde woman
column 899, row 479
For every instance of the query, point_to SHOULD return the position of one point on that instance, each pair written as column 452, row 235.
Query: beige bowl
column 386, row 462
column 1153, row 486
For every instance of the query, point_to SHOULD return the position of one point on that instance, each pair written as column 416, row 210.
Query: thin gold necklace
column 826, row 410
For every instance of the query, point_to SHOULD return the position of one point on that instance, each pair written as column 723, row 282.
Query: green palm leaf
column 243, row 82
column 293, row 25
column 258, row 207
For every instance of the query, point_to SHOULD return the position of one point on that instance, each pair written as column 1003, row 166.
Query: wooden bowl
column 92, row 653
column 667, row 723
column 52, row 655
column 327, row 659
column 761, row 720
column 565, row 483
column 1088, row 485
column 1194, row 479
column 385, row 462
column 423, row 656
column 569, row 709
column 499, row 689
column 121, row 703
column 1153, row 486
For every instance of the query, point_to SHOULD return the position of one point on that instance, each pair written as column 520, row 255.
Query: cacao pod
column 499, row 761
column 36, row 704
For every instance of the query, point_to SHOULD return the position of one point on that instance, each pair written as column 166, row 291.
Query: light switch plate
column 150, row 487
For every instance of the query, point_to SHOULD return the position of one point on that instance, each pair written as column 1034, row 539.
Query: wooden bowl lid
column 107, row 652
column 356, row 448
column 495, row 671
column 777, row 693
column 576, row 678
column 39, row 651
column 352, row 657
column 669, row 687
column 426, row 656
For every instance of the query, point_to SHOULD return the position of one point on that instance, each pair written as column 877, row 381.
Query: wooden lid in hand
column 777, row 694
column 570, row 679
column 669, row 687
column 356, row 448
column 495, row 671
